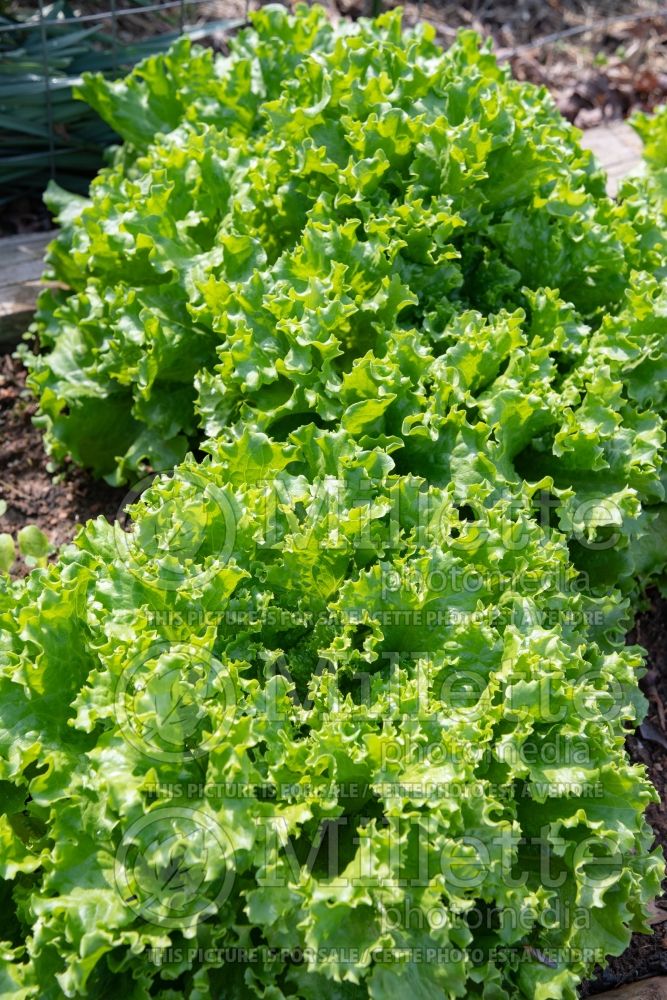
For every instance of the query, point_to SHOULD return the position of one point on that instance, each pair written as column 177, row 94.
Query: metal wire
column 104, row 15
column 47, row 91
column 50, row 157
column 581, row 29
column 114, row 35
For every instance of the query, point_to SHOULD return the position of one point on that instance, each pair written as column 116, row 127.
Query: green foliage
column 653, row 132
column 309, row 226
column 650, row 184
column 7, row 552
column 56, row 134
column 34, row 546
column 351, row 691
column 288, row 727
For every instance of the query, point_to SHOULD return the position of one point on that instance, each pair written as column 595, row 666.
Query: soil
column 58, row 507
column 647, row 954
column 29, row 490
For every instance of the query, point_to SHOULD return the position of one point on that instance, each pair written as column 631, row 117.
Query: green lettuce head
column 311, row 728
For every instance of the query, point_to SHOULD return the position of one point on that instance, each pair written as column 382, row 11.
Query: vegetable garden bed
column 59, row 506
column 453, row 402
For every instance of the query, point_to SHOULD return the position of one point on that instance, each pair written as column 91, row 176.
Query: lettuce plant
column 327, row 221
column 652, row 130
column 342, row 713
column 312, row 728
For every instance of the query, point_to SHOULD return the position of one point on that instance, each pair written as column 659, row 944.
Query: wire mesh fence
column 45, row 47
column 45, row 132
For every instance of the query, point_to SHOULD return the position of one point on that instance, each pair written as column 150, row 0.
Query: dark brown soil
column 647, row 954
column 29, row 490
column 25, row 214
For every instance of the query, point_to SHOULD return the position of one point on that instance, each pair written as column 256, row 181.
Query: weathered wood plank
column 646, row 989
column 21, row 258
column 21, row 265
column 618, row 149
